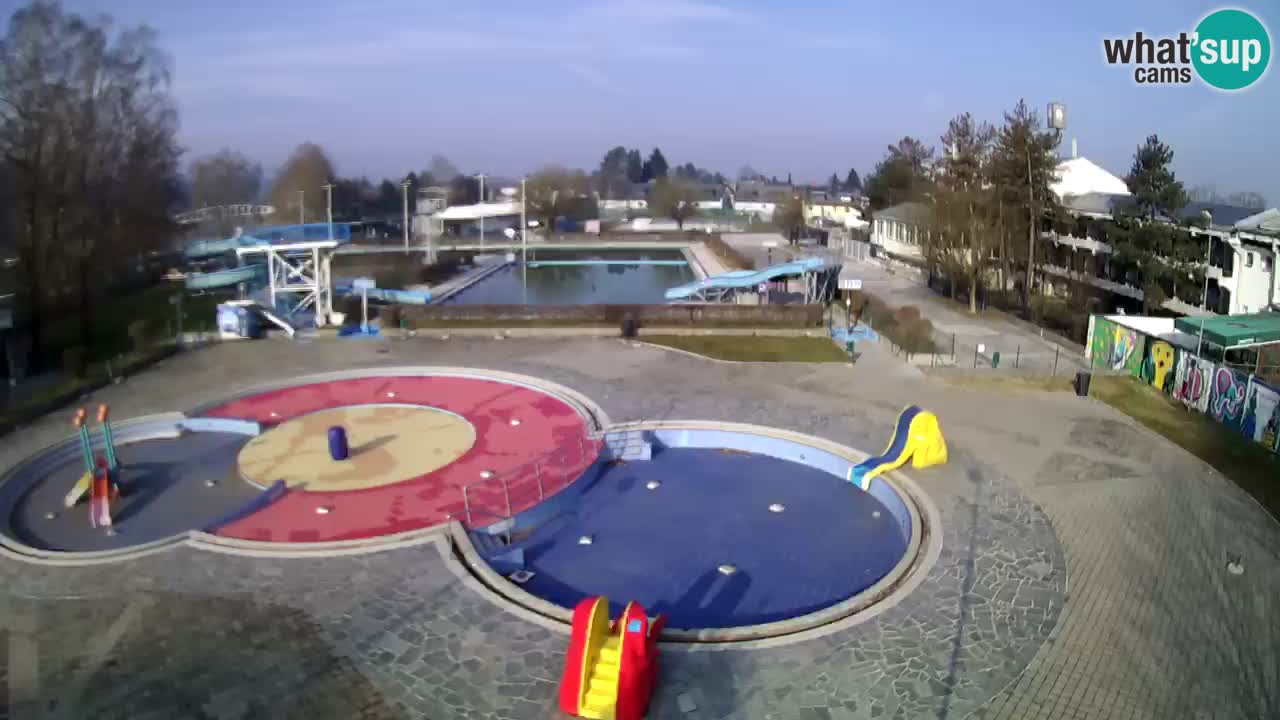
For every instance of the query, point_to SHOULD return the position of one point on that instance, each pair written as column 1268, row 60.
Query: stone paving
column 1154, row 625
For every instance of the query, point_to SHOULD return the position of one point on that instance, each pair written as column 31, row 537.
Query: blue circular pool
column 723, row 540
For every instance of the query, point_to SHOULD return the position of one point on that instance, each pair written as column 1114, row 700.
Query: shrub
column 73, row 361
column 138, row 334
column 906, row 315
column 917, row 336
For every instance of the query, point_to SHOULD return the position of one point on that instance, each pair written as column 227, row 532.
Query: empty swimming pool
column 715, row 539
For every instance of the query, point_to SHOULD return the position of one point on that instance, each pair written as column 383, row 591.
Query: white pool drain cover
column 653, row 484
column 777, row 508
column 727, row 569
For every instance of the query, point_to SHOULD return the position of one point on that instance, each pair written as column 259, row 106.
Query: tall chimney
column 1075, row 149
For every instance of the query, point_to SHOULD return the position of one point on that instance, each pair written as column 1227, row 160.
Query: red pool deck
column 548, row 449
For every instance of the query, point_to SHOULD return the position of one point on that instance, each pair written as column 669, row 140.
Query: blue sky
column 803, row 87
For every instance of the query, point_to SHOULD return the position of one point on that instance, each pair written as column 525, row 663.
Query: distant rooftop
column 1080, row 176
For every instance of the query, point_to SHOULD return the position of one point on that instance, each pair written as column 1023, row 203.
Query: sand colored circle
column 389, row 444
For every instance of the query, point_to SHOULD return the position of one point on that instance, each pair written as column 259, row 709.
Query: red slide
column 610, row 668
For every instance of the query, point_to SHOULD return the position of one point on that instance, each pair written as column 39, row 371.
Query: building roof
column 1223, row 215
column 908, row 212
column 1096, row 203
column 1080, row 176
column 1233, row 331
column 477, row 211
column 1156, row 327
column 1267, row 221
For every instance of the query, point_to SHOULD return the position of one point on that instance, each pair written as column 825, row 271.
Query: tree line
column 89, row 158
column 989, row 197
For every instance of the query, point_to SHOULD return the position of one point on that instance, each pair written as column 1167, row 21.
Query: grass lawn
column 754, row 349
column 1247, row 464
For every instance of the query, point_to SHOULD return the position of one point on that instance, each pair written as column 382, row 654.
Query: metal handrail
column 536, row 465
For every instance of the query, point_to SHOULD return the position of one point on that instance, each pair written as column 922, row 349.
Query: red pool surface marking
column 548, row 447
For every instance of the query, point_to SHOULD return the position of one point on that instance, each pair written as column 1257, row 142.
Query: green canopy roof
column 1234, row 331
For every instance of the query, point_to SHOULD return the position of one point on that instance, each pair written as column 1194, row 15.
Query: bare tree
column 961, row 240
column 302, row 180
column 552, row 192
column 789, row 217
column 88, row 128
column 675, row 199
column 226, row 177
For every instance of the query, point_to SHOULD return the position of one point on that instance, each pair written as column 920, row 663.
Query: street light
column 404, row 192
column 481, row 176
column 328, row 206
column 1207, row 217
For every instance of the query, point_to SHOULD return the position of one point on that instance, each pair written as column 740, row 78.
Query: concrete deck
column 1043, row 493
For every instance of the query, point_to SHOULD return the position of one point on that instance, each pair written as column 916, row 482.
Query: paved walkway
column 976, row 337
column 1044, row 493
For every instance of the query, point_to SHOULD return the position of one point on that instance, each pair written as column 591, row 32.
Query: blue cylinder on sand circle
column 338, row 449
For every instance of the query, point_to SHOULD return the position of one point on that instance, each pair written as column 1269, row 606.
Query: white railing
column 506, row 494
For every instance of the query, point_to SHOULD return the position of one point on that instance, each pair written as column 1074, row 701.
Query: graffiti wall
column 1261, row 422
column 1227, row 395
column 1191, row 382
column 1158, row 367
column 1116, row 348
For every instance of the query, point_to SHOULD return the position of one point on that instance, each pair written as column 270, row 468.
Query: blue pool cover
column 663, row 547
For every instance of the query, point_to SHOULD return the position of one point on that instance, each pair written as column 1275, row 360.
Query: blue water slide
column 230, row 277
column 402, row 297
column 746, row 278
column 270, row 235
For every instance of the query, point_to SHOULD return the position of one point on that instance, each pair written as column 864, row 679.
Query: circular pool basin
column 715, row 539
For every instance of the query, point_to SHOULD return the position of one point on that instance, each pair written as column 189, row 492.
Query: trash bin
column 1082, row 383
column 629, row 326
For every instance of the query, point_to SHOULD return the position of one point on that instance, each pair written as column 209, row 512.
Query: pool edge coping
column 923, row 551
column 594, row 417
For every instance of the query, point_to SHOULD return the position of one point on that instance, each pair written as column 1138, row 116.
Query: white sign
column 769, row 244
column 764, row 288
column 364, row 283
column 850, row 283
column 981, row 348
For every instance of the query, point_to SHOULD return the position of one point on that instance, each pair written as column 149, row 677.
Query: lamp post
column 302, row 207
column 1208, row 253
column 328, row 206
column 524, row 223
column 404, row 220
column 481, row 176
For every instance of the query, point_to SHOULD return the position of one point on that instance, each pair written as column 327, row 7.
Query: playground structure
column 916, row 437
column 611, row 668
column 100, row 479
column 820, row 277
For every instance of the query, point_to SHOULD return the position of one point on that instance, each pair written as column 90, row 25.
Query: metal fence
column 502, row 495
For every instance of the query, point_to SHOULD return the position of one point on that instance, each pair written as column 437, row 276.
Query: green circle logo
column 1232, row 49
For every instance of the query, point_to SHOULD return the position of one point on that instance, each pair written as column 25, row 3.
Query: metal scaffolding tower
column 299, row 274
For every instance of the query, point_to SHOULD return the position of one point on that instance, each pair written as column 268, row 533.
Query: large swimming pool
column 605, row 277
column 715, row 539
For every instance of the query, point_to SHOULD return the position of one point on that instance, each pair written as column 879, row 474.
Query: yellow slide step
column 601, row 698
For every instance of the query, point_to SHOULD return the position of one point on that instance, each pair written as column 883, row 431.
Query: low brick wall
column 689, row 315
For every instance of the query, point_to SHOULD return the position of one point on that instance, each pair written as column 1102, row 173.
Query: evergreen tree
column 1024, row 166
column 834, row 183
column 635, row 166
column 1156, row 191
column 901, row 176
column 853, row 182
column 657, row 165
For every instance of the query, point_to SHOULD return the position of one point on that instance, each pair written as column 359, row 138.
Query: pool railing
column 535, row 480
